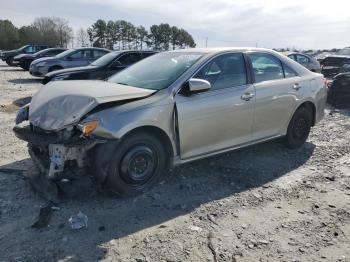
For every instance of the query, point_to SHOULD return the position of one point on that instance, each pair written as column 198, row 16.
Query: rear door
column 96, row 54
column 219, row 118
column 79, row 58
column 278, row 88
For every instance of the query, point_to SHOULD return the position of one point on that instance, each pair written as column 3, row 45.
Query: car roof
column 134, row 51
column 223, row 49
column 94, row 48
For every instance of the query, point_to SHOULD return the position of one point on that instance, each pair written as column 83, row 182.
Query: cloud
column 269, row 23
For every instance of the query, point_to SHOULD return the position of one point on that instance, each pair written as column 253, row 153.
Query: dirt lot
column 263, row 203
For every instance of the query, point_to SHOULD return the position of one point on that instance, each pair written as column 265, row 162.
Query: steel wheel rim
column 138, row 164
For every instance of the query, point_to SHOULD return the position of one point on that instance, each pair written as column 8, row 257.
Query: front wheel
column 136, row 165
column 299, row 128
column 9, row 61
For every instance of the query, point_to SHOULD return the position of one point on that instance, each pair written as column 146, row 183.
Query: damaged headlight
column 88, row 127
column 22, row 114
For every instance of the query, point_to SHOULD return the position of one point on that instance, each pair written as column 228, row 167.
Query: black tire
column 299, row 128
column 136, row 164
column 54, row 68
column 26, row 65
column 9, row 61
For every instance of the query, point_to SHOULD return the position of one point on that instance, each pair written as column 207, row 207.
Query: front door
column 221, row 117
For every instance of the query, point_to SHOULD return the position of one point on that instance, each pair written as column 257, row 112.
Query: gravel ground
column 262, row 203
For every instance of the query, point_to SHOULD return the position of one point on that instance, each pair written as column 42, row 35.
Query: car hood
column 71, row 70
column 62, row 103
column 23, row 55
column 11, row 52
column 43, row 59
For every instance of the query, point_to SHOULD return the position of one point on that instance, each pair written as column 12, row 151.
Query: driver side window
column 224, row 71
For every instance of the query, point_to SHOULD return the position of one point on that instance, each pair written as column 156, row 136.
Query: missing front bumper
column 54, row 156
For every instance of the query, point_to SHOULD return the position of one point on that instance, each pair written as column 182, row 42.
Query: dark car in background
column 337, row 63
column 8, row 56
column 101, row 68
column 309, row 62
column 24, row 60
column 67, row 59
column 339, row 91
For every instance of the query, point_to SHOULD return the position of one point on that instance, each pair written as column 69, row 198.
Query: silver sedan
column 169, row 109
column 309, row 62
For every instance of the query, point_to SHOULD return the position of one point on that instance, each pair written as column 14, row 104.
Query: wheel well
column 310, row 106
column 158, row 133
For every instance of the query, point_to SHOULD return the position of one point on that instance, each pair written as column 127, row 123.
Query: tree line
column 51, row 31
column 122, row 35
column 114, row 35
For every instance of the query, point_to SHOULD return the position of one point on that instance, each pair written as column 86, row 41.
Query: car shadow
column 183, row 190
column 25, row 81
column 22, row 101
column 13, row 69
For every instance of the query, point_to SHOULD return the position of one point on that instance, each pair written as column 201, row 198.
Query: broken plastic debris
column 78, row 221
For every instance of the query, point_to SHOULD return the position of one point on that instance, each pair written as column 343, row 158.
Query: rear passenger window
column 82, row 54
column 99, row 53
column 129, row 59
column 224, row 71
column 302, row 59
column 288, row 72
column 266, row 67
column 292, row 57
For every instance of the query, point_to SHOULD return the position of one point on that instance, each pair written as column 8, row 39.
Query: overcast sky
column 266, row 23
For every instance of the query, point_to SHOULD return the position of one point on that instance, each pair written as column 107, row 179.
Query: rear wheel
column 136, row 165
column 299, row 128
column 25, row 65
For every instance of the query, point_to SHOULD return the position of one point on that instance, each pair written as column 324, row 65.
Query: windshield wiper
column 122, row 84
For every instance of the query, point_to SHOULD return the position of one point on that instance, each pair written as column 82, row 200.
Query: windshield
column 23, row 47
column 106, row 59
column 345, row 51
column 67, row 52
column 157, row 71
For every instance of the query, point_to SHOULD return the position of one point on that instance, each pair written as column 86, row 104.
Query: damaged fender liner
column 50, row 152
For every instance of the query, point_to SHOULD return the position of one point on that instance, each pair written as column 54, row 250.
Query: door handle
column 247, row 96
column 296, row 86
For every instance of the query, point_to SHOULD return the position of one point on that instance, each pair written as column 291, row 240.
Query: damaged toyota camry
column 168, row 109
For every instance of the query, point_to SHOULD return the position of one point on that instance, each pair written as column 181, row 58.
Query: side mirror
column 69, row 58
column 198, row 85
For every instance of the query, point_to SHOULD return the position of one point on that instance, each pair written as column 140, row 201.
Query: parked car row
column 8, row 56
column 73, row 64
column 167, row 109
column 336, row 68
column 24, row 60
column 101, row 68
